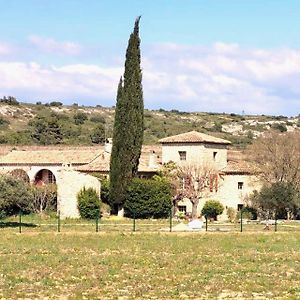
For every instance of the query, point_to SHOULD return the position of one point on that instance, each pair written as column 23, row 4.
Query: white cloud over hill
column 223, row 77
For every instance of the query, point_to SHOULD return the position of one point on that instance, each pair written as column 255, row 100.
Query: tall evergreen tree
column 129, row 122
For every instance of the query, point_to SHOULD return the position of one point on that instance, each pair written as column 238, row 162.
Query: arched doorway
column 45, row 191
column 43, row 177
column 20, row 174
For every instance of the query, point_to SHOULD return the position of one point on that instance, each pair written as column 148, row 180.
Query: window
column 182, row 155
column 240, row 185
column 182, row 208
column 240, row 207
column 215, row 155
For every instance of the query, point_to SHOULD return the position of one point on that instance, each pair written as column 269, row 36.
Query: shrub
column 88, row 203
column 80, row 118
column 105, row 191
column 15, row 195
column 97, row 119
column 231, row 214
column 98, row 135
column 148, row 198
column 279, row 126
column 55, row 103
column 212, row 208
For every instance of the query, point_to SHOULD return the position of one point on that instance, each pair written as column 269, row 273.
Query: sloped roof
column 49, row 157
column 237, row 163
column 102, row 162
column 193, row 137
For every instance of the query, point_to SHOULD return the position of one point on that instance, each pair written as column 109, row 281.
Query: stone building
column 70, row 168
column 235, row 179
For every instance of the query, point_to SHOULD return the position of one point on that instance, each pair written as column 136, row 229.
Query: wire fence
column 36, row 223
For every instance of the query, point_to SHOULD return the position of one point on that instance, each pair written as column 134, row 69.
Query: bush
column 231, row 214
column 55, row 103
column 97, row 119
column 105, row 191
column 148, row 198
column 98, row 135
column 15, row 195
column 80, row 118
column 88, row 203
column 212, row 208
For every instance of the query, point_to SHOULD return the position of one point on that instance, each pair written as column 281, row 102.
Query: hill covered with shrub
column 55, row 123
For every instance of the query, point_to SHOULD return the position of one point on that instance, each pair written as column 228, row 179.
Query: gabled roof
column 193, row 137
column 49, row 157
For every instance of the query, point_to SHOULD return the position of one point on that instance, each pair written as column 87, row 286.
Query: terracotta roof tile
column 193, row 137
column 50, row 157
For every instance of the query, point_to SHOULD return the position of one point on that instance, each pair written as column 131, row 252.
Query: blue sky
column 197, row 55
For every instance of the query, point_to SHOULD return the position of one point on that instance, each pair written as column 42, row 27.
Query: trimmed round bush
column 212, row 208
column 88, row 203
column 148, row 198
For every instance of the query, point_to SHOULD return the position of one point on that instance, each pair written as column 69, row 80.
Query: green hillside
column 54, row 123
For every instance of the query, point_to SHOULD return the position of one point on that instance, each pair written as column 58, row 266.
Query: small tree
column 276, row 200
column 88, row 203
column 212, row 208
column 44, row 198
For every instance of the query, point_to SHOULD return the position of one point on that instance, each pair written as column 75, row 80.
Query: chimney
column 108, row 145
column 152, row 159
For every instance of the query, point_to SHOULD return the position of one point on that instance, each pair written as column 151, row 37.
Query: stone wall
column 70, row 183
column 213, row 155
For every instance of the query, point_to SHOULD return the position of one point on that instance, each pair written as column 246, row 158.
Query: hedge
column 148, row 198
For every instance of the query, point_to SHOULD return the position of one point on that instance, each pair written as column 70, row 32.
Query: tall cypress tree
column 129, row 122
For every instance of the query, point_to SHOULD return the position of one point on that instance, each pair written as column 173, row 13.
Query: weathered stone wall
column 213, row 155
column 70, row 182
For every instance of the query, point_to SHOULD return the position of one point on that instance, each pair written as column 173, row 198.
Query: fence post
column 134, row 221
column 58, row 221
column 241, row 220
column 171, row 215
column 206, row 222
column 20, row 221
column 97, row 221
column 275, row 223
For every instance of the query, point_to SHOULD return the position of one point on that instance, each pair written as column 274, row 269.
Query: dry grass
column 150, row 265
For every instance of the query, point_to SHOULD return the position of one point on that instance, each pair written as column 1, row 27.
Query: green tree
column 212, row 208
column 98, row 134
column 15, row 194
column 129, row 123
column 276, row 200
column 46, row 129
column 148, row 198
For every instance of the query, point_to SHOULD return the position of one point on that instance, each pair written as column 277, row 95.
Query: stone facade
column 233, row 184
column 69, row 183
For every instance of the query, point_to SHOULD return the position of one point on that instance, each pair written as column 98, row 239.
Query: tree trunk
column 195, row 203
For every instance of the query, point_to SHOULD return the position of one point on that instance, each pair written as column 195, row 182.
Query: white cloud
column 224, row 77
column 51, row 45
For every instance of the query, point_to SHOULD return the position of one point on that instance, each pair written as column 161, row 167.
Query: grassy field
column 150, row 265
